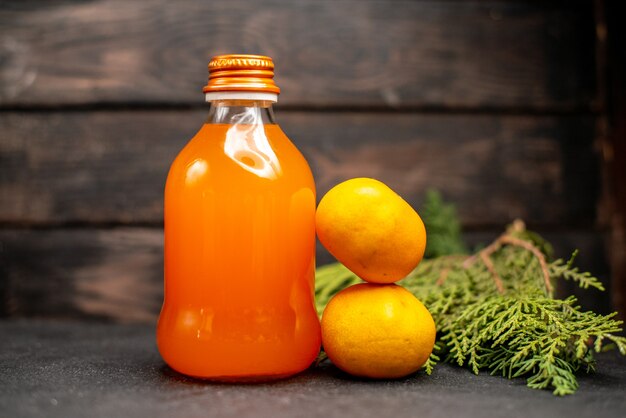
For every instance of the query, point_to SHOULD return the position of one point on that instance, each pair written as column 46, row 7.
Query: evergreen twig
column 515, row 328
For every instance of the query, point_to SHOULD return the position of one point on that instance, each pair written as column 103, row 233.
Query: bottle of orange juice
column 239, row 238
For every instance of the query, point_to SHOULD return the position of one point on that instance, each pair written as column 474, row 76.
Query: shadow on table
column 172, row 376
column 322, row 371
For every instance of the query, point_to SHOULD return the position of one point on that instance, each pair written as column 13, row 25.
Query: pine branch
column 511, row 326
column 442, row 226
column 565, row 270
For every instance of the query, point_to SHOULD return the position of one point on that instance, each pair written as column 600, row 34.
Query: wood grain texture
column 101, row 274
column 117, row 274
column 452, row 54
column 110, row 167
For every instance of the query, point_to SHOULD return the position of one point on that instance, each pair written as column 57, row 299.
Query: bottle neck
column 238, row 111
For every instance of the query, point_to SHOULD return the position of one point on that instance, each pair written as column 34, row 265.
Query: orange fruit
column 377, row 331
column 371, row 230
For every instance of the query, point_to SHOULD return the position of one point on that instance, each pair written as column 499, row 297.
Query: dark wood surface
column 501, row 105
column 69, row 370
column 452, row 54
column 613, row 143
column 117, row 274
column 110, row 167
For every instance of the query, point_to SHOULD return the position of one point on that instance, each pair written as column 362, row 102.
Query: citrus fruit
column 377, row 331
column 371, row 230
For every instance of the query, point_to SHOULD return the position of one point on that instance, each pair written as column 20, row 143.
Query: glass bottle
column 239, row 238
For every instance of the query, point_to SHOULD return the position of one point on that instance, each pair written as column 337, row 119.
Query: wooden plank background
column 328, row 53
column 115, row 273
column 110, row 167
column 496, row 104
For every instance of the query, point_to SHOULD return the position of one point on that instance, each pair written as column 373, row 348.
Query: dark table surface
column 60, row 369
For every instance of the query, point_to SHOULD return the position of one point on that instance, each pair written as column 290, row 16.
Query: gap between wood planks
column 469, row 228
column 591, row 110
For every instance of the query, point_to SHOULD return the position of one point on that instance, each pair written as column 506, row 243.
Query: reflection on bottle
column 247, row 145
column 196, row 170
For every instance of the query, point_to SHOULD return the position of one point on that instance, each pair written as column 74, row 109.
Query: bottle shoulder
column 240, row 154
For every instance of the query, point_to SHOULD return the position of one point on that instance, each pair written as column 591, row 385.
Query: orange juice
column 239, row 249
